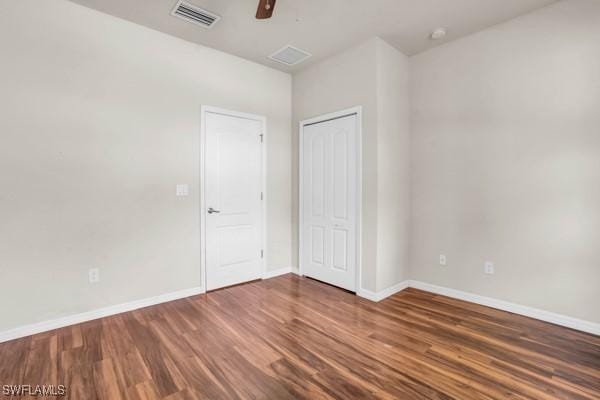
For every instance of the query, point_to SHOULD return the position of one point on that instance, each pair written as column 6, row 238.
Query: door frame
column 204, row 109
column 357, row 110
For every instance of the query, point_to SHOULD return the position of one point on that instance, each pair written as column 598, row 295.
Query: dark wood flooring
column 295, row 338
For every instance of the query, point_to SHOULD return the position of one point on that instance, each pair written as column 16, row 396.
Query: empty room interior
column 300, row 199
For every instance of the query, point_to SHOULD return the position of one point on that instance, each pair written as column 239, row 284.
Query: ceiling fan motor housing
column 265, row 9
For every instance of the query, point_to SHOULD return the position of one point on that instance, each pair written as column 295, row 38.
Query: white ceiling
column 321, row 27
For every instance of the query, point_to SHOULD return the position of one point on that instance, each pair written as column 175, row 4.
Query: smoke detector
column 438, row 34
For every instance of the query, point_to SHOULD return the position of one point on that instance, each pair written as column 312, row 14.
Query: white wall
column 99, row 120
column 506, row 161
column 393, row 166
column 375, row 76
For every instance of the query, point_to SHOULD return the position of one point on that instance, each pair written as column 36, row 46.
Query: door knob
column 213, row 211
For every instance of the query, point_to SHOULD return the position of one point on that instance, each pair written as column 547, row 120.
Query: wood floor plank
column 296, row 338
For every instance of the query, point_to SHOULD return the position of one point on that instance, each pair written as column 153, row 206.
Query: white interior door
column 329, row 201
column 233, row 199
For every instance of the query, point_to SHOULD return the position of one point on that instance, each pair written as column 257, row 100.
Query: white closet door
column 329, row 191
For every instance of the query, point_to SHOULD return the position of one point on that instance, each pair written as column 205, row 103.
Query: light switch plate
column 183, row 189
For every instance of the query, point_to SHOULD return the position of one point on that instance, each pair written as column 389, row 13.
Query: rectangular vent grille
column 194, row 14
column 290, row 55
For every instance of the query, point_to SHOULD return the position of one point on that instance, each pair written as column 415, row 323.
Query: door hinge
column 261, row 137
column 262, row 254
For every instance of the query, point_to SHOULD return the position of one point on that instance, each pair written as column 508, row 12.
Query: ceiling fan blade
column 265, row 9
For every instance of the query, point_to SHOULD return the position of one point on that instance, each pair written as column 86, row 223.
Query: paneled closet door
column 329, row 204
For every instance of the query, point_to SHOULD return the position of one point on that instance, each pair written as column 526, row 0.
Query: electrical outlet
column 442, row 259
column 489, row 268
column 94, row 275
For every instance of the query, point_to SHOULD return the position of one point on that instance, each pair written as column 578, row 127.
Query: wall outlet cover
column 489, row 268
column 94, row 275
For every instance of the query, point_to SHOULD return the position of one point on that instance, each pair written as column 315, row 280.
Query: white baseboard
column 277, row 272
column 383, row 294
column 546, row 316
column 57, row 323
column 558, row 319
column 45, row 326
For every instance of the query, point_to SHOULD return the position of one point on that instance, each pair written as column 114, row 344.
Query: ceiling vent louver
column 194, row 14
column 290, row 55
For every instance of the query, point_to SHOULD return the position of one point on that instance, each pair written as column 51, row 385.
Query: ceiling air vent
column 290, row 55
column 194, row 14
